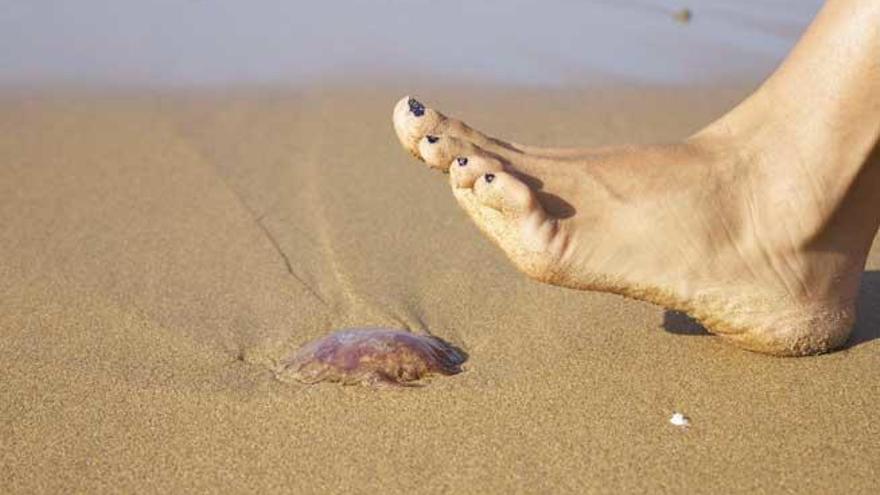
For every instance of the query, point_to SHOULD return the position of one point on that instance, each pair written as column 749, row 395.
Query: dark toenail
column 416, row 108
column 432, row 139
column 490, row 177
column 462, row 161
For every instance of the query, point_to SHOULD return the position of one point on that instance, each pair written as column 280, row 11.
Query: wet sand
column 161, row 251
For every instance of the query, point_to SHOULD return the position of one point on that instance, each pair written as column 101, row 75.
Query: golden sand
column 160, row 252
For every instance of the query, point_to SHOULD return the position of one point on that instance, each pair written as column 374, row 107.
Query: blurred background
column 515, row 42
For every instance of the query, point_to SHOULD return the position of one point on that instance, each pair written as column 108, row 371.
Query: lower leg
column 822, row 104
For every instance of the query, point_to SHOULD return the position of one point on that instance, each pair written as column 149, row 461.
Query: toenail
column 416, row 108
column 490, row 177
column 432, row 139
column 462, row 161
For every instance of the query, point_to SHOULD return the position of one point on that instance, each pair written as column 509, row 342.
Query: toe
column 504, row 192
column 440, row 151
column 506, row 209
column 413, row 120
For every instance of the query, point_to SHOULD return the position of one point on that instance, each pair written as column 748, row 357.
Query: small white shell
column 679, row 419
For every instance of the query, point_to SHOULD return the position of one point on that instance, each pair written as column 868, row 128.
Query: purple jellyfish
column 373, row 357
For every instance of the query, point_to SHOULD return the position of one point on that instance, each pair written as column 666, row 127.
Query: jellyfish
column 373, row 357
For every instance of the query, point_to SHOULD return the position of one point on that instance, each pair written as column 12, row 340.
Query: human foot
column 709, row 226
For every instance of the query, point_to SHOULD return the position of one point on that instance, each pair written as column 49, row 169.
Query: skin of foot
column 758, row 226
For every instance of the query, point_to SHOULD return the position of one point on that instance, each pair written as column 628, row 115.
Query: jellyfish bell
column 373, row 357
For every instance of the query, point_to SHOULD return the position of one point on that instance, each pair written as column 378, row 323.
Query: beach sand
column 160, row 251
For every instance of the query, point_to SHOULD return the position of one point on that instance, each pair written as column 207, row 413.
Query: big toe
column 413, row 121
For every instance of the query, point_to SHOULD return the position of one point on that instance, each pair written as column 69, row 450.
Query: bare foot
column 758, row 226
column 724, row 228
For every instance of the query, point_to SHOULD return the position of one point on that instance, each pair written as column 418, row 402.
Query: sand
column 159, row 252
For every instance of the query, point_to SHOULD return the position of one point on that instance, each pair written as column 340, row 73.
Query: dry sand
column 158, row 252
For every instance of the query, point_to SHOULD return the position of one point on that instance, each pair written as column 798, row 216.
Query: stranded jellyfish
column 372, row 356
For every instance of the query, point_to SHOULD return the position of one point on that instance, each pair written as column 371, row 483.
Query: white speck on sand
column 679, row 419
